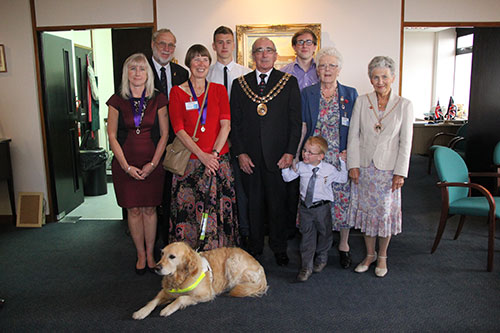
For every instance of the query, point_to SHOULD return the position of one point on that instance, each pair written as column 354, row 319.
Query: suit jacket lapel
column 157, row 78
column 273, row 79
column 173, row 74
column 373, row 109
column 252, row 81
column 393, row 99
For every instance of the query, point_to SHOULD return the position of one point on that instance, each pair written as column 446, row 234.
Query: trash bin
column 93, row 164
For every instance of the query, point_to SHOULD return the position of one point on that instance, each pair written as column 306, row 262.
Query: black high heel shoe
column 140, row 271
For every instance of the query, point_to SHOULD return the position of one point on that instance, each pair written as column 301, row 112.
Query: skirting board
column 30, row 212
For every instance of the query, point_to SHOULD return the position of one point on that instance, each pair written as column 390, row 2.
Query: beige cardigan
column 390, row 148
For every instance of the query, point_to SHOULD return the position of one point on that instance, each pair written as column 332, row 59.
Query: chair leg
column 429, row 162
column 442, row 224
column 491, row 242
column 460, row 226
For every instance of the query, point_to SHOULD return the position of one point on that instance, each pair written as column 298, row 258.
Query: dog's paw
column 140, row 314
column 166, row 312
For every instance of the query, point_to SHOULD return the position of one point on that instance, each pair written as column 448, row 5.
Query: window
column 463, row 67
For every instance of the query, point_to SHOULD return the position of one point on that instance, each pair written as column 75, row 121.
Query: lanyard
column 193, row 93
column 138, row 113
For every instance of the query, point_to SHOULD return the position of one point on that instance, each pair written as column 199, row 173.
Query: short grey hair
column 162, row 31
column 137, row 59
column 381, row 62
column 330, row 51
column 262, row 38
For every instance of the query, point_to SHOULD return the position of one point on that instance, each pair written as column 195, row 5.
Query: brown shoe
column 304, row 274
column 319, row 267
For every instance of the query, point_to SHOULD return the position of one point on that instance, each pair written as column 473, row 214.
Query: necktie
column 262, row 84
column 225, row 76
column 310, row 188
column 163, row 80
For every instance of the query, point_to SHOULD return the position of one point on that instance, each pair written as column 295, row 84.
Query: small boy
column 316, row 195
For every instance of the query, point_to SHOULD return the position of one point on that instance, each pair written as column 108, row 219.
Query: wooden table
column 6, row 172
column 424, row 132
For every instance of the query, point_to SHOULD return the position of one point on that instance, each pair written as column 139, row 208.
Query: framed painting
column 3, row 63
column 280, row 34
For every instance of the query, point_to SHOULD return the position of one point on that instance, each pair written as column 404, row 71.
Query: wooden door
column 61, row 123
column 484, row 106
column 126, row 42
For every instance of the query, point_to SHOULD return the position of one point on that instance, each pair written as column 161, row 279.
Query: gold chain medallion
column 262, row 100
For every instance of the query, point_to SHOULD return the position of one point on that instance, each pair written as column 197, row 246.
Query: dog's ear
column 191, row 263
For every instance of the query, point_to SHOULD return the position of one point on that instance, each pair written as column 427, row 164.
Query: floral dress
column 328, row 126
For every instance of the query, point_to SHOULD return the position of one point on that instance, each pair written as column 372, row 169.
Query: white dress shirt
column 234, row 71
column 325, row 176
column 268, row 73
column 167, row 71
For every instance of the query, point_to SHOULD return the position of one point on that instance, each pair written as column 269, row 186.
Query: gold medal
column 262, row 109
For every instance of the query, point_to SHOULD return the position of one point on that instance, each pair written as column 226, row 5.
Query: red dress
column 138, row 149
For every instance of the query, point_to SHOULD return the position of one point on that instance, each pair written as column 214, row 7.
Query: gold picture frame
column 280, row 34
column 3, row 63
column 30, row 212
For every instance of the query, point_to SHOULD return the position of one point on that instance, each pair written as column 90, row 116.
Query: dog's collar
column 206, row 268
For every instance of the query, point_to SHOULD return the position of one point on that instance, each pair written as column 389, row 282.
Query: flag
column 438, row 113
column 452, row 110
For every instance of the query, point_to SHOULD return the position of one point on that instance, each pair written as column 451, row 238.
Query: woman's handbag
column 177, row 155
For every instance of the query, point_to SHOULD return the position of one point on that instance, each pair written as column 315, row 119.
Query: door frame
column 36, row 31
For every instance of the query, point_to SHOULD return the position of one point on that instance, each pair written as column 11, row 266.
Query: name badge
column 192, row 105
column 345, row 121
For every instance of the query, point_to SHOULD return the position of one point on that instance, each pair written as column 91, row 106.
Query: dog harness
column 206, row 268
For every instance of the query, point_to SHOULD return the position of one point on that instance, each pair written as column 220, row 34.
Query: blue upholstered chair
column 456, row 200
column 456, row 141
column 496, row 163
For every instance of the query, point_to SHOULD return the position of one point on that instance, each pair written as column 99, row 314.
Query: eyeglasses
column 165, row 45
column 323, row 67
column 309, row 152
column 262, row 50
column 308, row 42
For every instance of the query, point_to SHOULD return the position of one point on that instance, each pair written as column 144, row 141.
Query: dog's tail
column 253, row 284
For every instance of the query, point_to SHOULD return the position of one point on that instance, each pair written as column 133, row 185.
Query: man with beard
column 167, row 75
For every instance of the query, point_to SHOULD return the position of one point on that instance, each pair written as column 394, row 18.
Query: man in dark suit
column 167, row 75
column 266, row 128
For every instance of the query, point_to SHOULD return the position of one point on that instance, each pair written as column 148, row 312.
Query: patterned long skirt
column 374, row 208
column 188, row 205
column 327, row 126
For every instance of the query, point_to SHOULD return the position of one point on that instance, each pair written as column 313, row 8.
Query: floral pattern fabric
column 374, row 208
column 328, row 126
column 188, row 200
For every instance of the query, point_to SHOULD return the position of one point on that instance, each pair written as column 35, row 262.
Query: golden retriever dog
column 190, row 278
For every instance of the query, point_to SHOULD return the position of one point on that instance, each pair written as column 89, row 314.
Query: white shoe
column 381, row 272
column 363, row 268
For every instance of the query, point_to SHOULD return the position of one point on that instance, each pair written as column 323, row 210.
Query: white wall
column 19, row 109
column 452, row 11
column 359, row 29
column 72, row 12
column 103, row 67
column 418, row 64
